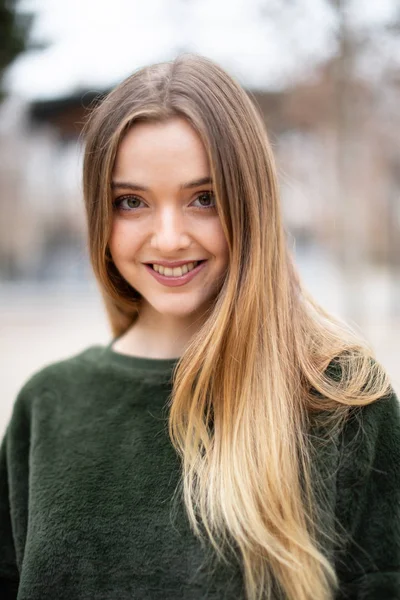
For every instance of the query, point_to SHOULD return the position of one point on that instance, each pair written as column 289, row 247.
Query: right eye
column 127, row 203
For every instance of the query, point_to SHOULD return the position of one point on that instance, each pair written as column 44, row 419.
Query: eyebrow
column 142, row 188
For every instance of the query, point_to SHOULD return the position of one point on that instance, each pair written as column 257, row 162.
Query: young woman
column 233, row 440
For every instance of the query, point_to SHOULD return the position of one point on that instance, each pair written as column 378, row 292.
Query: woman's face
column 164, row 212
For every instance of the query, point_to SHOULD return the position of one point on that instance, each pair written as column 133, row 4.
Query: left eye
column 127, row 203
column 206, row 197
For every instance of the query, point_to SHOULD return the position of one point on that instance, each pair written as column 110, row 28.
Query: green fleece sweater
column 87, row 476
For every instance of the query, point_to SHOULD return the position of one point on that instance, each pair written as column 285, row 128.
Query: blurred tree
column 15, row 27
column 365, row 61
column 368, row 53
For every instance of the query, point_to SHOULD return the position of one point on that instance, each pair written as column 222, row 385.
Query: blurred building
column 41, row 214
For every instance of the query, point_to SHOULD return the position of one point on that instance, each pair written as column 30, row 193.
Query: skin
column 165, row 223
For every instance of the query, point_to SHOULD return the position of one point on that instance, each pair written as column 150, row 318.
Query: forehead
column 171, row 146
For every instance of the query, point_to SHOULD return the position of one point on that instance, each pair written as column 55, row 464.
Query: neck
column 154, row 335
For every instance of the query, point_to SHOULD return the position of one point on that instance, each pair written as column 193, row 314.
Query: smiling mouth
column 175, row 271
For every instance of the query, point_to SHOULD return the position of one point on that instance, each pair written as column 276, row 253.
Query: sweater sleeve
column 14, row 491
column 368, row 504
column 8, row 565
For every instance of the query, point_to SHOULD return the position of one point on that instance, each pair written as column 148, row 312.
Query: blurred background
column 324, row 73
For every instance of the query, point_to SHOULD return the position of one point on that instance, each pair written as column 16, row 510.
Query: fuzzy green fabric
column 87, row 481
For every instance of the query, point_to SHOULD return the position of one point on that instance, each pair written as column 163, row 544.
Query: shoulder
column 57, row 377
column 58, row 371
column 369, row 458
column 375, row 425
column 368, row 498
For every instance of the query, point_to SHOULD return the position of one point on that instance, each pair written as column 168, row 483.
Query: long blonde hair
column 249, row 385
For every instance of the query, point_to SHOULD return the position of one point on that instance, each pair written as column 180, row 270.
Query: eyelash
column 118, row 201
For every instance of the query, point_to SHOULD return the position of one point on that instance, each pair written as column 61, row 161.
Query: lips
column 171, row 281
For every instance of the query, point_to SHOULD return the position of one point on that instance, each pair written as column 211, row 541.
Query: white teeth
column 176, row 271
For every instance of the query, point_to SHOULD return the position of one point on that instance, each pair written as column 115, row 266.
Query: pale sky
column 96, row 43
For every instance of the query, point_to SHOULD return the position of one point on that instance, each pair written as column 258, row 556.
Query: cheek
column 123, row 240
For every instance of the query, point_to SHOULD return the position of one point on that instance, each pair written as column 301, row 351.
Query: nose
column 169, row 231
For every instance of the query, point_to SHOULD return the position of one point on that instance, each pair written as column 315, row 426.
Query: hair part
column 256, row 375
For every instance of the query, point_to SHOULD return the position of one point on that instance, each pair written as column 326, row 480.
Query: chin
column 179, row 309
